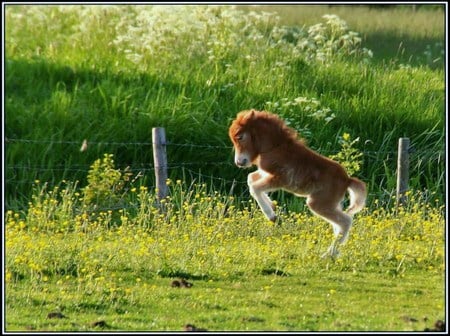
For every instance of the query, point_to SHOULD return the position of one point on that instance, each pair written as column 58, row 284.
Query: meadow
column 114, row 270
column 111, row 76
column 89, row 247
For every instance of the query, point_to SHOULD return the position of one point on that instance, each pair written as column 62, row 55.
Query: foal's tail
column 358, row 193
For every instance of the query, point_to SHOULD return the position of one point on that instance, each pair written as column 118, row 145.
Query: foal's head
column 257, row 132
column 241, row 136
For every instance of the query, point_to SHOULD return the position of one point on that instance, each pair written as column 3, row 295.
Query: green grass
column 79, row 78
column 327, row 300
column 117, row 266
column 84, row 238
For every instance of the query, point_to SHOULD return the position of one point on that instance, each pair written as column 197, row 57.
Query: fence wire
column 186, row 167
column 11, row 141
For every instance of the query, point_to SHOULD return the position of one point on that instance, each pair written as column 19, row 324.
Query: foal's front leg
column 258, row 185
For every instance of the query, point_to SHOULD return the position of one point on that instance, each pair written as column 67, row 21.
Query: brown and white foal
column 261, row 138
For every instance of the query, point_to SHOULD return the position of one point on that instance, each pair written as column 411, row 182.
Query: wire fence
column 368, row 153
column 185, row 168
column 173, row 144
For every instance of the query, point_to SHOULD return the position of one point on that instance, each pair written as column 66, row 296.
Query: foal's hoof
column 332, row 252
column 276, row 220
column 330, row 255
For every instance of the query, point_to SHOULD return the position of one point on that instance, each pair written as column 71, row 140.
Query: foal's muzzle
column 242, row 162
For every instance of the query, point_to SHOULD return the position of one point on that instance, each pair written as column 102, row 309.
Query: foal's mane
column 277, row 125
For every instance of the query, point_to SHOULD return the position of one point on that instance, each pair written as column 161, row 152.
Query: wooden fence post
column 402, row 170
column 160, row 162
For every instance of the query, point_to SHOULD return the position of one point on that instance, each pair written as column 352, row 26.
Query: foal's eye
column 239, row 137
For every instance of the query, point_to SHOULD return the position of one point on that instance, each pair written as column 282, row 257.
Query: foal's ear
column 251, row 115
column 245, row 116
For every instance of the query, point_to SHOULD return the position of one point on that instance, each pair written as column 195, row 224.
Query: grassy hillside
column 109, row 74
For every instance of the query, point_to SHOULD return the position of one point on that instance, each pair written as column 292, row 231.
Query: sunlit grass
column 310, row 301
column 208, row 236
column 389, row 32
column 62, row 256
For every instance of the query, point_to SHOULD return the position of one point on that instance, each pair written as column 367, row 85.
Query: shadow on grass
column 392, row 48
column 169, row 273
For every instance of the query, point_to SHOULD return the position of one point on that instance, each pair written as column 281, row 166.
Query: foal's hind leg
column 332, row 213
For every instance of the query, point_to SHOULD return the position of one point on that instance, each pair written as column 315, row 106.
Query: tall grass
column 109, row 74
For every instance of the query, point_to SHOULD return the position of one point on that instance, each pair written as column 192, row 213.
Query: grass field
column 306, row 302
column 87, row 247
column 247, row 274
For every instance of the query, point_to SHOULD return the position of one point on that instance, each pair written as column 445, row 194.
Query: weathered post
column 160, row 162
column 402, row 170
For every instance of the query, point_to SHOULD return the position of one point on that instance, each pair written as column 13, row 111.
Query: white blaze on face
column 241, row 158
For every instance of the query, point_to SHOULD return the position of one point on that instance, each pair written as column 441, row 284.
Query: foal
column 284, row 162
